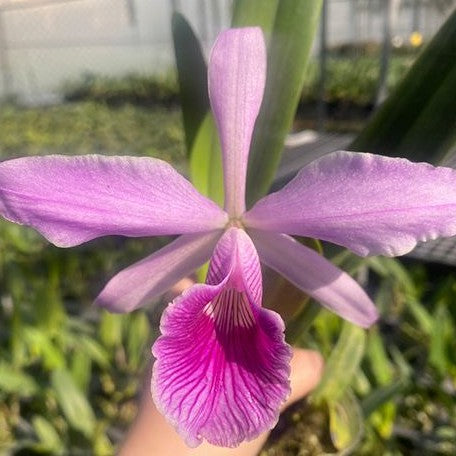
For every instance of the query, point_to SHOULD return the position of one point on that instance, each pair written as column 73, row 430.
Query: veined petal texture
column 222, row 365
column 143, row 281
column 237, row 75
column 316, row 276
column 71, row 200
column 368, row 203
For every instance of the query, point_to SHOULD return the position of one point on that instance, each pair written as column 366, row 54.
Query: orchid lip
column 222, row 364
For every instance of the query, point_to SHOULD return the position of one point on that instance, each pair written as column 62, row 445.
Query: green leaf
column 418, row 120
column 421, row 316
column 15, row 381
column 73, row 403
column 393, row 268
column 16, row 342
column 81, row 369
column 405, row 369
column 22, row 238
column 260, row 13
column 300, row 323
column 41, row 344
column 289, row 48
column 378, row 359
column 48, row 305
column 192, row 74
column 346, row 423
column 442, row 332
column 111, row 329
column 206, row 161
column 383, row 419
column 48, row 436
column 382, row 395
column 342, row 363
column 94, row 351
column 137, row 338
column 101, row 444
column 349, row 262
column 361, row 383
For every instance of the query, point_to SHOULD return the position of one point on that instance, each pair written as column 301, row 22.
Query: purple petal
column 317, row 277
column 237, row 74
column 143, row 281
column 368, row 203
column 222, row 365
column 71, row 200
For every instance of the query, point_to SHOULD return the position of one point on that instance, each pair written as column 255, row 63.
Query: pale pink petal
column 368, row 203
column 237, row 74
column 222, row 365
column 317, row 277
column 143, row 281
column 71, row 200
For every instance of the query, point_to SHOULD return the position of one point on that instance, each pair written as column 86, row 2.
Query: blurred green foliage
column 91, row 127
column 352, row 77
column 135, row 88
column 390, row 390
column 70, row 373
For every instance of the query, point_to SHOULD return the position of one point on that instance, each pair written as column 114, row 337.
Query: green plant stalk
column 288, row 53
column 206, row 170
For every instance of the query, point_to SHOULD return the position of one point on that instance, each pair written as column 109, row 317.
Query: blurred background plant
column 70, row 373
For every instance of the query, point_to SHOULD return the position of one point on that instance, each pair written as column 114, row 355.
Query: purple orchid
column 222, row 365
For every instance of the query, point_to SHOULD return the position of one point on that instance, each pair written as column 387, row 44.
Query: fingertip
column 306, row 371
column 178, row 288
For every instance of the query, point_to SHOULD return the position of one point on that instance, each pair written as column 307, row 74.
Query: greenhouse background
column 46, row 43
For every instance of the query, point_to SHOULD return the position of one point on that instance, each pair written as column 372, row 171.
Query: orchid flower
column 222, row 365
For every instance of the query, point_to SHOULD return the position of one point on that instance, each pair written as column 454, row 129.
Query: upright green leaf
column 418, row 120
column 73, row 403
column 111, row 329
column 260, row 13
column 346, row 423
column 442, row 332
column 342, row 364
column 41, row 344
column 137, row 338
column 378, row 359
column 292, row 35
column 422, row 316
column 206, row 161
column 94, row 351
column 48, row 305
column 192, row 74
column 48, row 436
column 15, row 381
column 81, row 369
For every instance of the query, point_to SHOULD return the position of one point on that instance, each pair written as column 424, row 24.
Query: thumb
column 306, row 372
